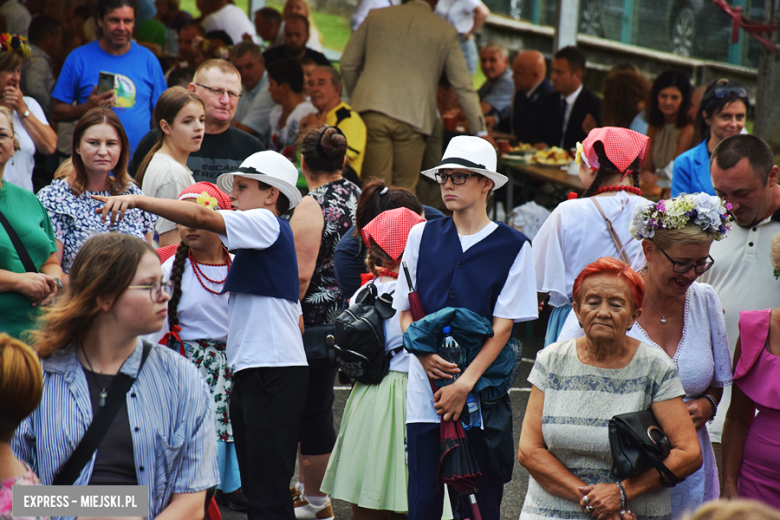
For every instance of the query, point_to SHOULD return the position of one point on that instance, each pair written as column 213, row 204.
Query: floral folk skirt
column 210, row 357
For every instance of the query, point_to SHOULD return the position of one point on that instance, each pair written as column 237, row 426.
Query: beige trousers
column 394, row 151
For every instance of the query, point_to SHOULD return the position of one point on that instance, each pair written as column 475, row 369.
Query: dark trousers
column 266, row 405
column 317, row 435
column 426, row 495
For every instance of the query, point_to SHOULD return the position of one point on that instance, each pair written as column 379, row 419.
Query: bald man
column 528, row 72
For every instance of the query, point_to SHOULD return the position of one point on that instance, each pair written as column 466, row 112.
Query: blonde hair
column 776, row 252
column 64, row 170
column 7, row 112
column 21, row 384
column 690, row 234
column 225, row 67
column 735, row 510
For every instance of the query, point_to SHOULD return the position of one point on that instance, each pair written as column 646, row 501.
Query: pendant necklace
column 103, row 393
column 663, row 316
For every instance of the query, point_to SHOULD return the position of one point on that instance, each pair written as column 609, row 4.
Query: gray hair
column 493, row 46
column 242, row 48
column 335, row 77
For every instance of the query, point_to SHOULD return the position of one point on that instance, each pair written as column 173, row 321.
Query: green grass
column 335, row 29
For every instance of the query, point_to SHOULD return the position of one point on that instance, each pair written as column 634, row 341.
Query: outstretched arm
column 179, row 211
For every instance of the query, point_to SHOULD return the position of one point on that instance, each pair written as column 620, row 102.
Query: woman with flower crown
column 580, row 231
column 684, row 317
column 31, row 129
column 197, row 324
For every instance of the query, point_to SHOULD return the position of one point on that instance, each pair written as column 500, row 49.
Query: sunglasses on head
column 722, row 92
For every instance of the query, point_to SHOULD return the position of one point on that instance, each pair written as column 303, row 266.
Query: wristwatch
column 26, row 114
column 58, row 282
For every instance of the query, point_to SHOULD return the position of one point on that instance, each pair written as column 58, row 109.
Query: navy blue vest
column 448, row 277
column 271, row 272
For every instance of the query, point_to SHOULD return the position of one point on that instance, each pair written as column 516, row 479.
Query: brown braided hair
column 177, row 271
column 607, row 169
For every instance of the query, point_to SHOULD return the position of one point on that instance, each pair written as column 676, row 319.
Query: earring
column 629, row 327
column 12, row 162
column 579, row 322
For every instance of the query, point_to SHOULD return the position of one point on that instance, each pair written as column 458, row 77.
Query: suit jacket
column 393, row 62
column 691, row 171
column 544, row 124
column 522, row 107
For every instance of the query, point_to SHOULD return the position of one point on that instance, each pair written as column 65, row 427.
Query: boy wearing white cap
column 264, row 347
column 463, row 261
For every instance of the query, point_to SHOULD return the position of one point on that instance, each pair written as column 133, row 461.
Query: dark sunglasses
column 722, row 92
column 683, row 267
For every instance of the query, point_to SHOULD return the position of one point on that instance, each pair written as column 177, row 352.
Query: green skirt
column 368, row 463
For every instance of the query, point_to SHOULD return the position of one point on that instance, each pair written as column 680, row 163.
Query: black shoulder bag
column 638, row 443
column 24, row 256
column 117, row 393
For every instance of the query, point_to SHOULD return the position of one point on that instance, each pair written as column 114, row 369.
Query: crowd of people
column 192, row 208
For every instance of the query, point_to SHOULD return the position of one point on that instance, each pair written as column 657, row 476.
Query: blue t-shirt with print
column 139, row 82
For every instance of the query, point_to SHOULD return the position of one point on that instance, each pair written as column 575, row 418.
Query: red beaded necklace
column 620, row 187
column 381, row 271
column 200, row 274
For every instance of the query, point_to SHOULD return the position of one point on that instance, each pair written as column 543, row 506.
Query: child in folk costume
column 471, row 262
column 367, row 467
column 198, row 318
column 265, row 345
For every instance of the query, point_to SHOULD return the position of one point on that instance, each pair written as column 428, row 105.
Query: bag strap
column 615, row 238
column 24, row 256
column 117, row 392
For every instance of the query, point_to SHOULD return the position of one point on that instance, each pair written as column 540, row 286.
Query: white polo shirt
column 744, row 281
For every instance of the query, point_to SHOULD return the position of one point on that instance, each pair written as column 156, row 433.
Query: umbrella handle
column 408, row 277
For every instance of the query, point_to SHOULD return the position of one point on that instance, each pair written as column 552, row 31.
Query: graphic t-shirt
column 219, row 153
column 138, row 83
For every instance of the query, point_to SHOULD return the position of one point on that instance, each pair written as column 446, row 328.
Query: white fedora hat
column 270, row 168
column 470, row 153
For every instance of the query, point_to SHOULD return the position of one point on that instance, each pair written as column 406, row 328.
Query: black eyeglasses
column 457, row 178
column 220, row 91
column 683, row 267
column 156, row 290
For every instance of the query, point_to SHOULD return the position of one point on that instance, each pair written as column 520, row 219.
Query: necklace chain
column 103, row 392
column 663, row 316
column 200, row 274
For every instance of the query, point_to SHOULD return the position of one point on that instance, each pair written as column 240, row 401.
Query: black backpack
column 360, row 337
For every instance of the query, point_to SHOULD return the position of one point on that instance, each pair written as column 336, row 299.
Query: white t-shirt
column 202, row 315
column 20, row 171
column 165, row 179
column 365, row 6
column 283, row 136
column 516, row 301
column 575, row 235
column 459, row 13
column 394, row 338
column 231, row 19
column 263, row 331
column 743, row 278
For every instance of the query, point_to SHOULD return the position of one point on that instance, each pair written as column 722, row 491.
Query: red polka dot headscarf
column 207, row 195
column 390, row 229
column 621, row 145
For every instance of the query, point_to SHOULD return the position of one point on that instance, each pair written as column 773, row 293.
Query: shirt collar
column 529, row 93
column 64, row 361
column 571, row 98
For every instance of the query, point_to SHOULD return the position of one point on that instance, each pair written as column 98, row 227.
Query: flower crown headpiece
column 706, row 211
column 14, row 42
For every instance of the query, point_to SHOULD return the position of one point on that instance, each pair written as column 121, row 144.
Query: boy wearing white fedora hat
column 463, row 261
column 265, row 347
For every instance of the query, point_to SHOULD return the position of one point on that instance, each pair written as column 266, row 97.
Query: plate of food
column 520, row 151
column 551, row 158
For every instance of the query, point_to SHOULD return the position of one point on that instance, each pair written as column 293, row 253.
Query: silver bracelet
column 714, row 405
column 623, row 498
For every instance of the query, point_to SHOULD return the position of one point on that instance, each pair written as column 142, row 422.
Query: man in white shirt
column 467, row 16
column 219, row 15
column 744, row 175
column 365, row 6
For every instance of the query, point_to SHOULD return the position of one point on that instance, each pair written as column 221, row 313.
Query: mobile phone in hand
column 105, row 83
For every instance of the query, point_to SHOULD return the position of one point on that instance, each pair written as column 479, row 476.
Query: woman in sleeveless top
column 318, row 224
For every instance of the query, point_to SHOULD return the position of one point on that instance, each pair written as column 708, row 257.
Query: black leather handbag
column 638, row 443
column 318, row 341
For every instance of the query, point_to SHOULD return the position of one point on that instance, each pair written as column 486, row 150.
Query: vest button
column 452, row 295
column 461, row 264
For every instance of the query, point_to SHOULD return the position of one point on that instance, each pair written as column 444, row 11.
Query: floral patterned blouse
column 6, row 493
column 74, row 218
column 323, row 299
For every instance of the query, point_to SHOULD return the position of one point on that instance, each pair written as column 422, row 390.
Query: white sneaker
column 304, row 510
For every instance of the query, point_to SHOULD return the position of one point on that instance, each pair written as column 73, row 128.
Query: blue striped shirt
column 171, row 420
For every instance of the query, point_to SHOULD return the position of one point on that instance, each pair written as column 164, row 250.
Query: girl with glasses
column 684, row 318
column 163, row 434
column 180, row 118
column 721, row 114
column 198, row 323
